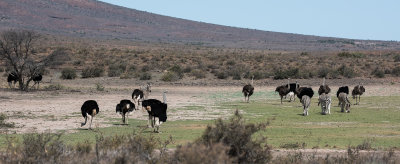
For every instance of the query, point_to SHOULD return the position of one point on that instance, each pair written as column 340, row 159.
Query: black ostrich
column 248, row 90
column 37, row 78
column 12, row 77
column 342, row 89
column 156, row 108
column 324, row 88
column 358, row 91
column 283, row 90
column 141, row 94
column 293, row 87
column 91, row 108
column 305, row 91
column 123, row 108
column 137, row 95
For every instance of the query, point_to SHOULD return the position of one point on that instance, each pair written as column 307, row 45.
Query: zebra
column 325, row 101
column 305, row 100
column 344, row 102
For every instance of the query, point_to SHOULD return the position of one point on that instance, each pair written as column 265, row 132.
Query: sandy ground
column 41, row 110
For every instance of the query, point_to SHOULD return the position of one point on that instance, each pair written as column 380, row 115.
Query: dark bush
column 187, row 69
column 145, row 76
column 238, row 136
column 116, row 70
column 396, row 58
column 378, row 73
column 351, row 55
column 68, row 73
column 91, row 72
column 145, row 68
column 396, row 71
column 222, row 75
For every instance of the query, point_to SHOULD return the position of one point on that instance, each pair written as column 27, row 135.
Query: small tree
column 17, row 48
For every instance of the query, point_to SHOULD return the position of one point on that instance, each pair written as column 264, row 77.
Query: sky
column 353, row 19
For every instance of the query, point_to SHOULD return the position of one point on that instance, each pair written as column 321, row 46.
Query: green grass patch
column 375, row 120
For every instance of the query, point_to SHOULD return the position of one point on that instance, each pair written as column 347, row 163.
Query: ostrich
column 291, row 96
column 358, row 91
column 248, row 90
column 141, row 94
column 344, row 102
column 37, row 78
column 156, row 108
column 324, row 88
column 12, row 77
column 342, row 89
column 124, row 107
column 283, row 90
column 325, row 101
column 293, row 87
column 91, row 108
column 305, row 94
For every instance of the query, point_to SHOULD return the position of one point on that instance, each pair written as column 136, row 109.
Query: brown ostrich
column 358, row 91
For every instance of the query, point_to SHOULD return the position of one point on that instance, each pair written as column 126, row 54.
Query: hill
column 98, row 20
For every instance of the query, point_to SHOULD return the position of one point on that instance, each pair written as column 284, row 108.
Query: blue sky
column 354, row 19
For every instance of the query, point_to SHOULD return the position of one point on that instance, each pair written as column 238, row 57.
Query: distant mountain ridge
column 95, row 19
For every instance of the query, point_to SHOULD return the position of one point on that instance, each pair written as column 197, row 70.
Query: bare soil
column 43, row 110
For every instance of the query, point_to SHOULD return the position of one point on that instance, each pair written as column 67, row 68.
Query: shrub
column 187, row 69
column 351, row 55
column 53, row 87
column 91, row 72
column 177, row 70
column 378, row 73
column 1, row 69
column 68, row 73
column 198, row 74
column 170, row 76
column 99, row 87
column 222, row 75
column 116, row 70
column 3, row 123
column 396, row 58
column 323, row 72
column 200, row 153
column 396, row 71
column 145, row 76
column 237, row 135
column 346, row 71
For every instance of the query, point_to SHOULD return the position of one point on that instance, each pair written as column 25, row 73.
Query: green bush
column 323, row 72
column 68, row 73
column 116, row 70
column 91, row 72
column 99, row 87
column 198, row 74
column 170, row 76
column 346, row 71
column 237, row 135
column 177, row 70
column 3, row 123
